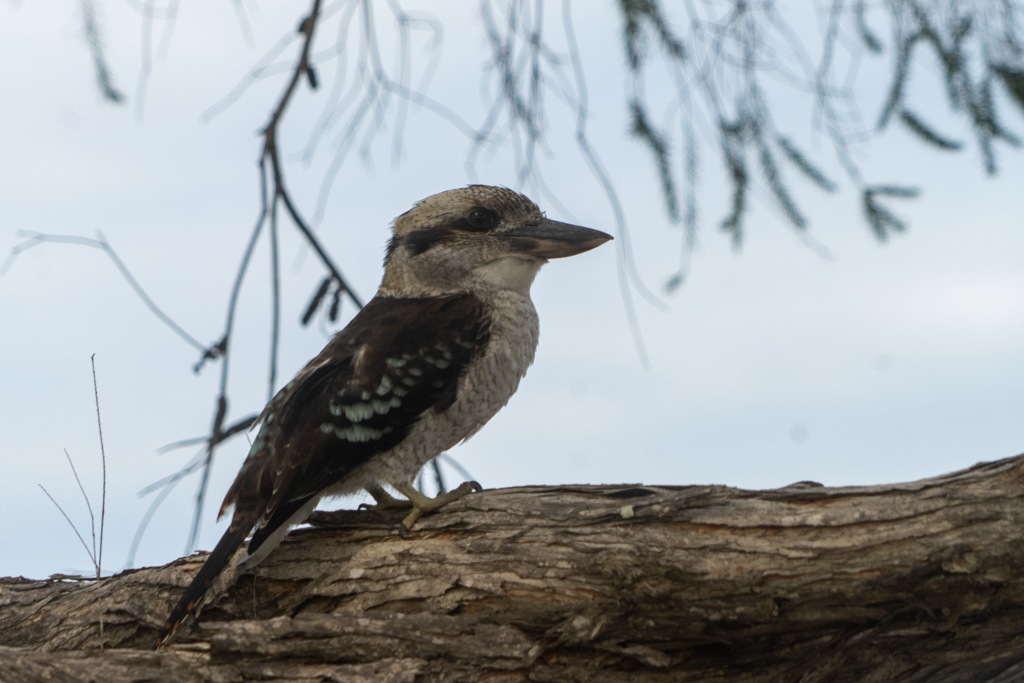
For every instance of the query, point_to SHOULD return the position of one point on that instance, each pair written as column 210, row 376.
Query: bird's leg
column 422, row 504
column 385, row 501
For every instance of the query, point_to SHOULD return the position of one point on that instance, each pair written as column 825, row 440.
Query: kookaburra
column 429, row 360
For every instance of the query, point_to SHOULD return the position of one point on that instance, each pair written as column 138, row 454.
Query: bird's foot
column 385, row 501
column 422, row 504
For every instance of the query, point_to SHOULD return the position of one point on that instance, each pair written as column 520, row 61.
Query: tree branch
column 907, row 582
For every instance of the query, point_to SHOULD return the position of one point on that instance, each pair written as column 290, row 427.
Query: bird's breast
column 491, row 380
column 488, row 383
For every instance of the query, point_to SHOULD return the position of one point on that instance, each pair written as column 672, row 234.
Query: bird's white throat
column 514, row 273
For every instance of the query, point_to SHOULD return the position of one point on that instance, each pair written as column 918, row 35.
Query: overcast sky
column 849, row 363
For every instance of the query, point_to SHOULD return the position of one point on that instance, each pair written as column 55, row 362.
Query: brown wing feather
column 359, row 397
column 291, row 439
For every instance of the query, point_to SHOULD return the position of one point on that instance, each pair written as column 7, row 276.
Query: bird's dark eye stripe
column 422, row 240
column 419, row 241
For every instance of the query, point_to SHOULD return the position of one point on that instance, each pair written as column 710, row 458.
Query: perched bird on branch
column 431, row 358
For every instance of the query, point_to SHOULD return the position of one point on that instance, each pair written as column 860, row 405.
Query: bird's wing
column 396, row 360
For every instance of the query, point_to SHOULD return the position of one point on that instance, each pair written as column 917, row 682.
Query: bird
column 434, row 355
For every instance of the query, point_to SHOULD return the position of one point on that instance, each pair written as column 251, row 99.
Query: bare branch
column 36, row 238
column 914, row 582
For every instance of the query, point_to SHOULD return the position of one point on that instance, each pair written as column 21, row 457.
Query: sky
column 845, row 362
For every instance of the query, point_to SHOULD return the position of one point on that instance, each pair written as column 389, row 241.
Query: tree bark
column 909, row 582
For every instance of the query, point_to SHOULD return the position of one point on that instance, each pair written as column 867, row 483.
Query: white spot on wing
column 358, row 411
column 383, row 407
column 385, row 385
column 358, row 433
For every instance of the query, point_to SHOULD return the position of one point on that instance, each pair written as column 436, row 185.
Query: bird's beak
column 551, row 239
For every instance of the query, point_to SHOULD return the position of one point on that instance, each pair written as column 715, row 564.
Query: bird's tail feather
column 204, row 578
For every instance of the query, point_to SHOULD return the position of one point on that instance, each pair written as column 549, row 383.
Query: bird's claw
column 422, row 504
column 384, row 501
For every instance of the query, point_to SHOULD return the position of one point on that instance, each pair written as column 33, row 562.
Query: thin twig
column 458, row 468
column 73, row 527
column 103, row 500
column 597, row 168
column 167, row 488
column 304, row 229
column 95, row 554
column 239, row 426
column 147, row 61
column 204, row 479
column 88, row 504
column 275, row 302
column 37, row 238
column 438, row 477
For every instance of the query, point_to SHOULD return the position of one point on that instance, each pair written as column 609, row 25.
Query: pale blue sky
column 896, row 362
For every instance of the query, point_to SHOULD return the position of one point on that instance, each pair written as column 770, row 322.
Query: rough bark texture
column 911, row 582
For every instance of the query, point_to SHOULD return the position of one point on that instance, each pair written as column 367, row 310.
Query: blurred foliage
column 718, row 55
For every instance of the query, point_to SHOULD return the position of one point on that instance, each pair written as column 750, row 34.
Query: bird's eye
column 481, row 219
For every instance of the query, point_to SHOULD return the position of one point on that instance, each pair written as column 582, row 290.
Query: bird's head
column 476, row 237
